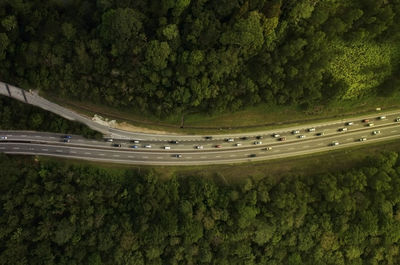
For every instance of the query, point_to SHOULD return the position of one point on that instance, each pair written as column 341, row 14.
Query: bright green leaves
column 157, row 54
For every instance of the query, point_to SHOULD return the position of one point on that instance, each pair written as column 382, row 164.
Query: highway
column 269, row 147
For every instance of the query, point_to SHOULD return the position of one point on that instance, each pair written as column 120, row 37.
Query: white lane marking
column 188, row 157
column 102, row 154
column 320, row 144
column 44, row 149
column 23, row 135
column 38, row 136
column 246, row 154
column 217, row 156
column 116, row 155
column 306, row 146
column 79, row 140
column 394, row 131
column 59, row 151
column 87, row 153
column 16, row 148
column 145, row 157
column 348, row 139
column 232, row 155
column 291, row 148
column 159, row 157
column 131, row 156
column 73, row 152
column 203, row 157
column 52, row 137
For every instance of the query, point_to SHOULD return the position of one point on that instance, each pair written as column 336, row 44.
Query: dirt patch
column 131, row 128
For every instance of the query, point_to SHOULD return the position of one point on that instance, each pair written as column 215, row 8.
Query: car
column 302, row 136
column 267, row 148
column 134, row 146
column 117, row 145
column 199, row 147
column 252, row 155
column 238, row 144
column 362, row 139
column 320, row 134
column 147, row 146
column 275, row 135
column 259, row 137
column 67, row 140
column 135, row 141
column 67, row 136
column 397, row 119
column 343, row 129
column 174, row 142
column 244, row 138
column 257, row 142
column 208, row 137
column 311, row 130
column 370, row 124
column 349, row 123
column 282, row 139
column 365, row 120
column 178, row 155
column 382, row 118
column 335, row 143
column 167, row 147
column 295, row 131
column 376, row 132
column 230, row 140
column 218, row 146
column 109, row 140
column 3, row 137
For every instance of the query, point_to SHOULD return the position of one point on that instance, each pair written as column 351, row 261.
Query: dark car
column 244, row 138
column 252, row 155
column 259, row 137
column 218, row 146
column 178, row 156
column 208, row 137
column 117, row 145
column 67, row 137
column 174, row 142
column 66, row 140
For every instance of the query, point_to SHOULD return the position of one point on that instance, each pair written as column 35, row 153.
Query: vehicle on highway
column 259, row 137
column 349, row 123
column 252, row 155
column 257, row 142
column 117, row 145
column 199, row 147
column 174, row 142
column 370, row 124
column 334, row 143
column 147, row 146
column 302, row 136
column 295, row 131
column 230, row 140
column 344, row 129
column 397, row 119
column 3, row 137
column 282, row 139
column 135, row 141
column 67, row 136
column 167, row 147
column 267, row 148
column 244, row 138
column 178, row 155
column 135, row 146
column 381, row 117
column 208, row 137
column 376, row 132
column 238, row 144
column 365, row 120
column 66, row 140
column 109, row 140
column 320, row 134
column 218, row 146
column 275, row 135
column 311, row 130
column 362, row 139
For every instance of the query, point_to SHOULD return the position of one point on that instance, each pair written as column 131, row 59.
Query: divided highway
column 234, row 149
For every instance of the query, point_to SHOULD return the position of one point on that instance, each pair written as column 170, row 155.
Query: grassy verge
column 332, row 161
column 255, row 118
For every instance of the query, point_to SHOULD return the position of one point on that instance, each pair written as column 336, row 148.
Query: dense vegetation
column 201, row 55
column 52, row 213
column 15, row 115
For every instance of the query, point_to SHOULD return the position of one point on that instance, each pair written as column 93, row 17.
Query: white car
column 382, row 117
column 109, row 140
column 238, row 144
column 136, row 141
column 3, row 137
column 397, row 119
column 230, row 140
column 302, row 136
column 311, row 130
column 343, row 129
column 276, row 135
column 267, row 148
column 349, row 123
column 370, row 124
column 376, row 132
column 167, row 147
column 295, row 131
column 362, row 139
column 147, row 146
column 257, row 142
column 199, row 147
column 335, row 143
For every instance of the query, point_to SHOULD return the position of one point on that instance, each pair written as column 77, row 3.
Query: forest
column 172, row 57
column 15, row 115
column 61, row 213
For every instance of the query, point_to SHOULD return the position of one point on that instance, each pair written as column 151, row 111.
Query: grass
column 320, row 163
column 260, row 117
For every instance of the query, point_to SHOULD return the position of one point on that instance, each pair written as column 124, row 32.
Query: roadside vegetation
column 15, row 115
column 168, row 58
column 54, row 213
